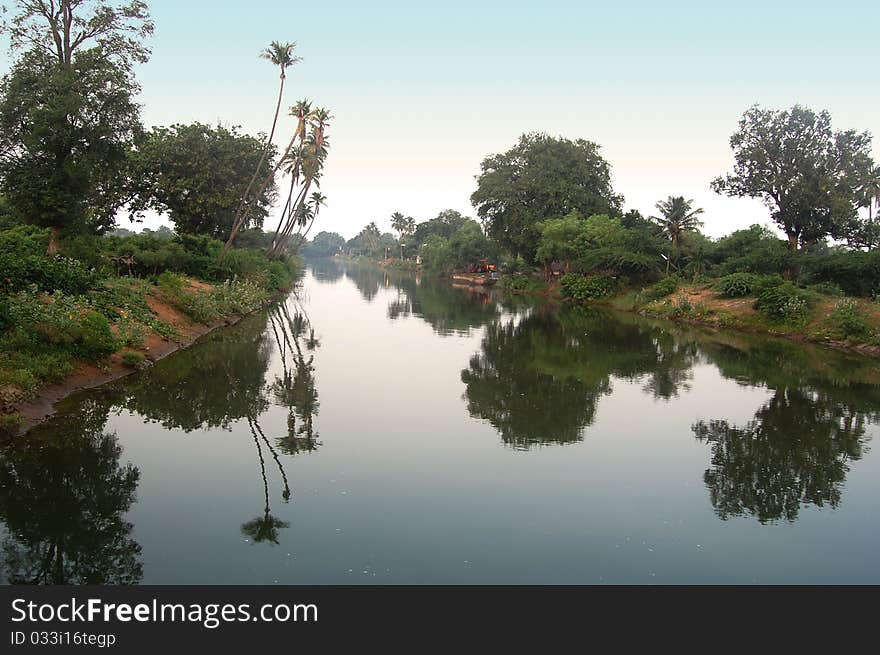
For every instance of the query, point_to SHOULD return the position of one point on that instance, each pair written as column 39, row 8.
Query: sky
column 423, row 92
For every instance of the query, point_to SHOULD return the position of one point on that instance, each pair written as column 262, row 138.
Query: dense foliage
column 539, row 178
column 197, row 174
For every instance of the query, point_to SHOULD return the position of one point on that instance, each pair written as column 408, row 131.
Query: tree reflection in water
column 63, row 498
column 538, row 379
column 796, row 450
column 296, row 389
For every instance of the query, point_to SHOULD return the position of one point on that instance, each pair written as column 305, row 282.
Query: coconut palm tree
column 871, row 191
column 280, row 55
column 306, row 163
column 677, row 217
column 303, row 113
column 398, row 224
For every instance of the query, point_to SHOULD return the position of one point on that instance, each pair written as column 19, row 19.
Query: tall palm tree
column 871, row 190
column 398, row 224
column 677, row 217
column 280, row 55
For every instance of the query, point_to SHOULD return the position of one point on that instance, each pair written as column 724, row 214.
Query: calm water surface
column 384, row 429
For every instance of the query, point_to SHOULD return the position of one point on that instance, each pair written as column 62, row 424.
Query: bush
column 133, row 358
column 95, row 338
column 590, row 287
column 857, row 273
column 204, row 306
column 849, row 321
column 739, row 285
column 784, row 302
column 662, row 289
column 826, row 289
column 523, row 283
column 49, row 275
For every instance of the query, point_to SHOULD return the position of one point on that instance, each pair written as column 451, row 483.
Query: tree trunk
column 792, row 240
column 54, row 246
column 245, row 200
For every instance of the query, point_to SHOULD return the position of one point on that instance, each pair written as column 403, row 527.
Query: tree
column 304, row 160
column 541, row 177
column 65, row 136
column 280, row 55
column 866, row 234
column 677, row 217
column 558, row 239
column 405, row 226
column 806, row 174
column 325, row 244
column 60, row 28
column 197, row 173
column 67, row 113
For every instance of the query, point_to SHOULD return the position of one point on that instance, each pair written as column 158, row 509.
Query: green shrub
column 204, row 306
column 662, row 289
column 856, row 272
column 739, row 285
column 10, row 423
column 133, row 358
column 95, row 338
column 590, row 287
column 784, row 302
column 61, row 273
column 826, row 289
column 849, row 321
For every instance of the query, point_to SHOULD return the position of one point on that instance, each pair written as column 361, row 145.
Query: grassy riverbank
column 765, row 304
column 108, row 306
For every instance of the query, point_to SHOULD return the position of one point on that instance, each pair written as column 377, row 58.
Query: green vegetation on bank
column 58, row 311
column 552, row 223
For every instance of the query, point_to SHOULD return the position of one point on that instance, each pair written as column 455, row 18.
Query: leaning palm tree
column 281, row 55
column 677, row 217
column 305, row 163
column 292, row 158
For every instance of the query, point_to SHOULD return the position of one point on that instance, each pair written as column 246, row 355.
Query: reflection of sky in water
column 407, row 487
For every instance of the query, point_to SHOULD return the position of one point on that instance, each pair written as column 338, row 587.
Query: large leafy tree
column 541, row 177
column 67, row 114
column 805, row 172
column 198, row 173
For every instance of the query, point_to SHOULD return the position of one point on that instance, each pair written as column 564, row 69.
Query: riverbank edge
column 88, row 375
column 551, row 292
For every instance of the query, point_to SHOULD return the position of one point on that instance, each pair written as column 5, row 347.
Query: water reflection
column 796, row 450
column 63, row 498
column 296, row 389
column 245, row 401
column 211, row 386
column 538, row 379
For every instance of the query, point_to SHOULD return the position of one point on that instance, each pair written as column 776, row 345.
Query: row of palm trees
column 302, row 160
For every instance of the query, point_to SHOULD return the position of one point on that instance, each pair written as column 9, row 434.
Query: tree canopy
column 198, row 174
column 807, row 174
column 541, row 177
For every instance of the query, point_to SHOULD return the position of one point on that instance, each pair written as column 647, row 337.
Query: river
column 379, row 428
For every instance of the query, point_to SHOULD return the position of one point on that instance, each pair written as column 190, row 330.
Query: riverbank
column 835, row 321
column 80, row 351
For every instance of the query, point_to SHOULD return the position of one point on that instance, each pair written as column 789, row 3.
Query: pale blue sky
column 422, row 92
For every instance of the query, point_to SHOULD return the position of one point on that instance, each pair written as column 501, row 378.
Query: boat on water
column 475, row 279
column 482, row 274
